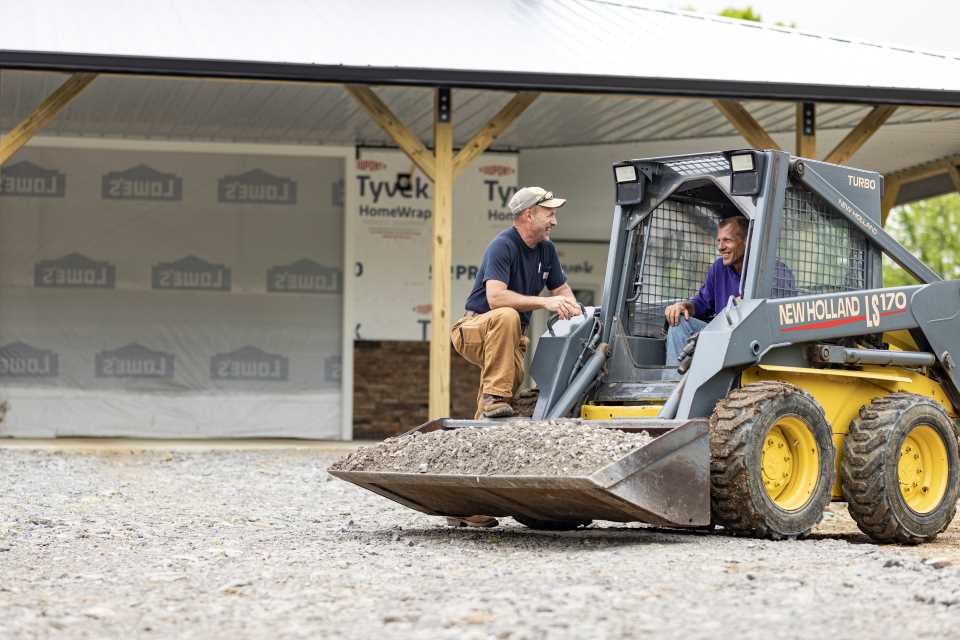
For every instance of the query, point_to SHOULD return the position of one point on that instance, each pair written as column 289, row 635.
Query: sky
column 923, row 25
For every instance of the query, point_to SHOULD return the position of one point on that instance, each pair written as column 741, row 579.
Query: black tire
column 744, row 428
column 870, row 470
column 552, row 525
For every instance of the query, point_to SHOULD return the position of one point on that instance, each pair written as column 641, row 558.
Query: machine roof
column 558, row 45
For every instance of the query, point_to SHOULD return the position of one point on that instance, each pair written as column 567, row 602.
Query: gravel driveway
column 265, row 544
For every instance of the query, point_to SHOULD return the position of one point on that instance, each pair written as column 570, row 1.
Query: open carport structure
column 566, row 85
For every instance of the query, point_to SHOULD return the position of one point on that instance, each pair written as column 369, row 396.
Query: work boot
column 482, row 522
column 495, row 407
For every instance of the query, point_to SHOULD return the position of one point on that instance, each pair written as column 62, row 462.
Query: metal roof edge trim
column 475, row 79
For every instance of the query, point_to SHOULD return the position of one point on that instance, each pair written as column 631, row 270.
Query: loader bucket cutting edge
column 665, row 482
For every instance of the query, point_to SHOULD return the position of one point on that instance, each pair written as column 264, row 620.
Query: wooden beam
column 925, row 170
column 891, row 189
column 860, row 134
column 806, row 146
column 744, row 123
column 441, row 285
column 954, row 175
column 44, row 113
column 500, row 122
column 405, row 139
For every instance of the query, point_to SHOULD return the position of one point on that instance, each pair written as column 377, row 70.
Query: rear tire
column 552, row 525
column 771, row 461
column 900, row 469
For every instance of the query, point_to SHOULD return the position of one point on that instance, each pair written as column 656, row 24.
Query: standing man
column 516, row 266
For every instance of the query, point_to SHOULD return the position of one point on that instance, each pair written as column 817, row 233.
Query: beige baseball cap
column 526, row 197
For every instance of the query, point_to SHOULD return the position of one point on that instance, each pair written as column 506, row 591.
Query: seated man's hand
column 562, row 307
column 674, row 311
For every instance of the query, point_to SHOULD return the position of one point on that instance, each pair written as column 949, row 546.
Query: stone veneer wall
column 390, row 380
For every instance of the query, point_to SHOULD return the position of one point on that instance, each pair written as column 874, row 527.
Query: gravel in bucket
column 548, row 448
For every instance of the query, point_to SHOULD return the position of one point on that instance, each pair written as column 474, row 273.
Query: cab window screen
column 673, row 253
column 819, row 250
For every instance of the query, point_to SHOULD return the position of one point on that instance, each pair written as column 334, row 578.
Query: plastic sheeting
column 170, row 294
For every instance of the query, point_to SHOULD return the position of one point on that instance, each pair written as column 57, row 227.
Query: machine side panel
column 743, row 333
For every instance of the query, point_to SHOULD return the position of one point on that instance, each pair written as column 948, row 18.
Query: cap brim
column 553, row 203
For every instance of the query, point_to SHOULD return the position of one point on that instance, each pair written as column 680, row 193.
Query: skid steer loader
column 820, row 386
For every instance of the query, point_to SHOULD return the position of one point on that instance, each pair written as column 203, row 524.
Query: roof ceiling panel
column 589, row 45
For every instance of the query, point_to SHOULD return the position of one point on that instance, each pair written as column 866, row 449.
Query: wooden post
column 44, row 113
column 860, row 134
column 891, row 189
column 806, row 146
column 439, row 406
column 441, row 167
column 744, row 123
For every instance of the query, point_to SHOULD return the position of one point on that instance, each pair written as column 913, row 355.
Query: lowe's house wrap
column 171, row 294
column 391, row 231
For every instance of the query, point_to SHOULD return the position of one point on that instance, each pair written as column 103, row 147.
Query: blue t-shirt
column 525, row 270
column 723, row 282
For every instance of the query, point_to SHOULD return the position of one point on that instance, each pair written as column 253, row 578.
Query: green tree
column 746, row 13
column 930, row 230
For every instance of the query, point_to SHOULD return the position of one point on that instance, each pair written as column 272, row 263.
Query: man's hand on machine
column 678, row 309
column 561, row 306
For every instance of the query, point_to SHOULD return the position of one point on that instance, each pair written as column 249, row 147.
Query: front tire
column 771, row 461
column 900, row 469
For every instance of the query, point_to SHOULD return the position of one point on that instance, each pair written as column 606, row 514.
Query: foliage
column 746, row 13
column 930, row 230
column 741, row 14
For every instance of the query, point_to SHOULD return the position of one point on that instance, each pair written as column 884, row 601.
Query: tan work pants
column 494, row 342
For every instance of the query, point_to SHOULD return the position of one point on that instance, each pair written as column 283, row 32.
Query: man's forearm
column 507, row 298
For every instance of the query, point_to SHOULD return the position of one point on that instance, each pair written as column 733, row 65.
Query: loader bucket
column 665, row 482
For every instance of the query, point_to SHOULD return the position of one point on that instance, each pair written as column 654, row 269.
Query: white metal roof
column 580, row 45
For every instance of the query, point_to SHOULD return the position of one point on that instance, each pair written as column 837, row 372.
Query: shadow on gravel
column 852, row 538
column 520, row 537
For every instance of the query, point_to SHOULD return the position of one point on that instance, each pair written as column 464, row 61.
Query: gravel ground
column 246, row 544
column 542, row 448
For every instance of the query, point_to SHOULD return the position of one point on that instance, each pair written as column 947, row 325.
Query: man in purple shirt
column 723, row 280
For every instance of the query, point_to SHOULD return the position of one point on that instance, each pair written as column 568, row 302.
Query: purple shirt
column 721, row 283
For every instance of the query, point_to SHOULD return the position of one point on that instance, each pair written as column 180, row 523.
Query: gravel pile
column 549, row 448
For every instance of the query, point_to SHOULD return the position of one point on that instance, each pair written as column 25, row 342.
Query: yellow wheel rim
column 923, row 469
column 790, row 463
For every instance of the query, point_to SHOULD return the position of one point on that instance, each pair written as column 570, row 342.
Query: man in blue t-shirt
column 516, row 266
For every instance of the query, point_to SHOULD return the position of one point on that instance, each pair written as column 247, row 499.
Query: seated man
column 723, row 280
